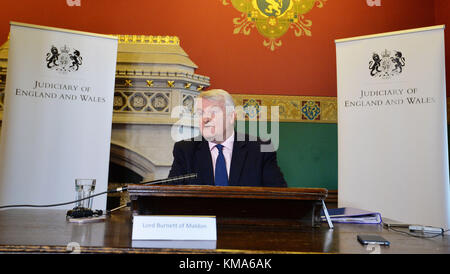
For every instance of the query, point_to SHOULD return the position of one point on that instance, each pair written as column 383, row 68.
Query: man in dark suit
column 221, row 156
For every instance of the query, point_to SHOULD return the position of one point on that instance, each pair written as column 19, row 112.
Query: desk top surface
column 43, row 230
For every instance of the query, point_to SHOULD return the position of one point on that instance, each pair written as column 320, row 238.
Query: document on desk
column 352, row 216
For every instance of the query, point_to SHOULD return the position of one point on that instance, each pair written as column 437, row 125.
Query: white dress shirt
column 227, row 152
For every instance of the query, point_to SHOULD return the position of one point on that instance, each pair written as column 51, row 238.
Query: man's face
column 215, row 124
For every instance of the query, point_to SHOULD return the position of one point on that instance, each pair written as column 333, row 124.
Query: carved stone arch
column 132, row 160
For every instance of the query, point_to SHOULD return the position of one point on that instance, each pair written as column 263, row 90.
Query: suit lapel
column 204, row 163
column 237, row 161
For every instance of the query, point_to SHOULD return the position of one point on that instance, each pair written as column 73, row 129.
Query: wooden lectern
column 231, row 205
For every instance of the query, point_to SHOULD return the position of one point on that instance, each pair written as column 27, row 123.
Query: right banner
column 392, row 125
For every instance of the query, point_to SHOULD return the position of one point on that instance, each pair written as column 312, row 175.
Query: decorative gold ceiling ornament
column 170, row 84
column 147, row 39
column 273, row 18
column 128, row 83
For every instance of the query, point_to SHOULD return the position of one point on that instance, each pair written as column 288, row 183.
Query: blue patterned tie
column 221, row 177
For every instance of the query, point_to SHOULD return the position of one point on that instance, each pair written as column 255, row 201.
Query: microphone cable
column 119, row 189
column 60, row 204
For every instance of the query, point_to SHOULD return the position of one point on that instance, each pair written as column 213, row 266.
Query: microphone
column 159, row 181
column 170, row 179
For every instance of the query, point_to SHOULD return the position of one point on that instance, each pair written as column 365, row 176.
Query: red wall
column 238, row 63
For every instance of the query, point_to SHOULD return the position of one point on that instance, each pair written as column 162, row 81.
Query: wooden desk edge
column 42, row 249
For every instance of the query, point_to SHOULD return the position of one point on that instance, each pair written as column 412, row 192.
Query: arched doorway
column 126, row 167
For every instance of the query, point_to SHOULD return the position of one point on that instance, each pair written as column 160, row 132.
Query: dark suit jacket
column 249, row 166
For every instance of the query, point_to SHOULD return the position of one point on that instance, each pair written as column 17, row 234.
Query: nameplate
column 174, row 228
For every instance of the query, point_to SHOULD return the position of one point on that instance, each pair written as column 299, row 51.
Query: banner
column 58, row 114
column 392, row 126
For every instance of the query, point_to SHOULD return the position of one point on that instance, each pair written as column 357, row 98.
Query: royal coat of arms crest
column 63, row 59
column 386, row 64
column 273, row 18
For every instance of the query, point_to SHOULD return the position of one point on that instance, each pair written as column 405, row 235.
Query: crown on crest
column 65, row 49
column 385, row 53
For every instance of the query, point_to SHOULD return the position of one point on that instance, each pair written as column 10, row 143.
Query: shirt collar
column 228, row 143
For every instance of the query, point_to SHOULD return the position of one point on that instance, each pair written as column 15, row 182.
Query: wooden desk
column 232, row 205
column 47, row 231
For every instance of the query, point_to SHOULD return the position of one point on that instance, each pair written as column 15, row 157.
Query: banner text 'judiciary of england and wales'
column 60, row 91
column 389, row 97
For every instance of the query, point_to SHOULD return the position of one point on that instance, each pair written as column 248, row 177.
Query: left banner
column 57, row 114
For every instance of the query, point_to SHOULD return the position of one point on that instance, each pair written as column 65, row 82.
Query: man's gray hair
column 219, row 95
